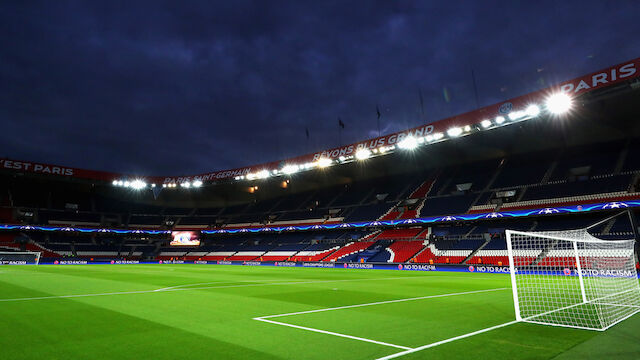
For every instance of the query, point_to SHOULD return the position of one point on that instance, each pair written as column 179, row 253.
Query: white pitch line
column 384, row 302
column 334, row 334
column 184, row 289
column 420, row 348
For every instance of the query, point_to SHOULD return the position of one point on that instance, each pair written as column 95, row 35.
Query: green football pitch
column 244, row 312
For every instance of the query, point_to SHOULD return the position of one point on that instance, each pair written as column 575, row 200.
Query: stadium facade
column 440, row 194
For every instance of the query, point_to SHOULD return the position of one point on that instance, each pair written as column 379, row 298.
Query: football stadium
column 508, row 231
column 505, row 232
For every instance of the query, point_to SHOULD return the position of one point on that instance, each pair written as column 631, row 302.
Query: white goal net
column 19, row 258
column 571, row 278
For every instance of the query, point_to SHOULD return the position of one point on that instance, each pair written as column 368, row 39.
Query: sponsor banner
column 14, row 262
column 597, row 80
column 319, row 264
column 285, row 264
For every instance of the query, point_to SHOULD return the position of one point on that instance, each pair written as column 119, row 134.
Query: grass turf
column 208, row 314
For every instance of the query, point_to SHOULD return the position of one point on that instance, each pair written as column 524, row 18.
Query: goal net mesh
column 571, row 278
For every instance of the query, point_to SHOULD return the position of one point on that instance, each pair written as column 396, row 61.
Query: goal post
column 573, row 279
column 19, row 258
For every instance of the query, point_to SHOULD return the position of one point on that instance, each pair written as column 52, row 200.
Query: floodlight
column 290, row 169
column 342, row 158
column 153, row 185
column 533, row 110
column 514, row 115
column 197, row 183
column 138, row 184
column 438, row 136
column 186, row 184
column 263, row 174
column 485, row 123
column 324, row 162
column 115, row 182
column 467, row 128
column 126, row 184
column 408, row 143
column 363, row 154
column 454, row 131
column 164, row 185
column 559, row 103
column 499, row 119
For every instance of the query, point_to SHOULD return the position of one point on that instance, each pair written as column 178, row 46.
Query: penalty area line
column 334, row 334
column 438, row 343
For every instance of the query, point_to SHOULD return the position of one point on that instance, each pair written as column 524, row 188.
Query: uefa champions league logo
column 493, row 215
column 547, row 211
column 615, row 205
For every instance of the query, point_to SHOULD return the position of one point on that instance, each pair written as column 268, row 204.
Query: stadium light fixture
column 515, row 115
column 186, row 184
column 138, row 184
column 454, row 131
column 324, row 162
column 559, row 103
column 164, row 185
column 533, row 110
column 197, row 183
column 467, row 128
column 499, row 119
column 363, row 154
column 438, row 136
column 290, row 169
column 408, row 143
column 263, row 174
column 115, row 183
column 485, row 123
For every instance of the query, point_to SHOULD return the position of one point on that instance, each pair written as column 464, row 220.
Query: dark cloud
column 186, row 87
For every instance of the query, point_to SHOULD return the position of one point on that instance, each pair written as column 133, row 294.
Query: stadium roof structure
column 584, row 90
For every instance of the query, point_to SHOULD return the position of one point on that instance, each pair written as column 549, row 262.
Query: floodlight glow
column 533, row 110
column 485, row 123
column 263, row 174
column 454, row 131
column 197, row 183
column 138, row 184
column 126, row 184
column 324, row 162
column 438, row 136
column 429, row 138
column 342, row 158
column 164, row 185
column 115, row 182
column 408, row 143
column 290, row 169
column 514, row 115
column 559, row 103
column 467, row 128
column 153, row 185
column 363, row 154
column 499, row 119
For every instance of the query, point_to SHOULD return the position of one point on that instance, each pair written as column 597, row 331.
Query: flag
column 378, row 111
column 340, row 123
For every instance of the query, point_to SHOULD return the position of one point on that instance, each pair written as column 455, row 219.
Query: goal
column 19, row 258
column 573, row 279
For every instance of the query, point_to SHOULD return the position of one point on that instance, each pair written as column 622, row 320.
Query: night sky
column 185, row 87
